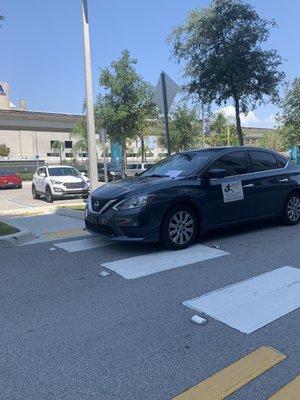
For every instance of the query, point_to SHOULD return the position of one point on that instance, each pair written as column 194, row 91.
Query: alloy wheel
column 181, row 228
column 293, row 208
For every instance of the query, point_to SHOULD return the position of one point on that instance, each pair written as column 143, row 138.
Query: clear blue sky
column 41, row 45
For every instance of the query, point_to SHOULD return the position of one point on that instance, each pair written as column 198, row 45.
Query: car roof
column 224, row 149
column 58, row 166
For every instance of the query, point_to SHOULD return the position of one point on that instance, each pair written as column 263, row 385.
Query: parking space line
column 148, row 264
column 289, row 392
column 83, row 244
column 251, row 304
column 236, row 375
column 67, row 233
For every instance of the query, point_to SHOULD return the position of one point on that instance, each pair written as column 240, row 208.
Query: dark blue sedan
column 189, row 193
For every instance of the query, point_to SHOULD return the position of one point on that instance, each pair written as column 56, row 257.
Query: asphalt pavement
column 69, row 332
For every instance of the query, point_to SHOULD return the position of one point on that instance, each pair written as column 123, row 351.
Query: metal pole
column 92, row 165
column 103, row 140
column 166, row 118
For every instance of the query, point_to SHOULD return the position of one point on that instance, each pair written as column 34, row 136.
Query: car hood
column 68, row 179
column 116, row 189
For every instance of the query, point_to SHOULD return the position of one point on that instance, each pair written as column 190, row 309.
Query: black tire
column 34, row 193
column 48, row 194
column 291, row 210
column 179, row 228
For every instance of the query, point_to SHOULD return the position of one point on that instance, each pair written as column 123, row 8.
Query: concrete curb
column 28, row 212
column 24, row 235
column 67, row 212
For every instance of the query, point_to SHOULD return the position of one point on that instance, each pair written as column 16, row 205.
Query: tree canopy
column 219, row 135
column 126, row 103
column 290, row 116
column 221, row 46
column 185, row 129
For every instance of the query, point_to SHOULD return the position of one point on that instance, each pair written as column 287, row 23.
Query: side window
column 234, row 163
column 263, row 161
column 281, row 161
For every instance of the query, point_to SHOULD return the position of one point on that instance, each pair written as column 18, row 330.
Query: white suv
column 60, row 181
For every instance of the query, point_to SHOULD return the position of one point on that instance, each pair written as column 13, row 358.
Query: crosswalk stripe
column 230, row 379
column 83, row 244
column 251, row 304
column 289, row 392
column 148, row 264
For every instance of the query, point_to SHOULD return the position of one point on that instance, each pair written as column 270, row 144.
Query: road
column 70, row 333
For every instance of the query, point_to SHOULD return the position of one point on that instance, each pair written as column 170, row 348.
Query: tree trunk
column 143, row 148
column 238, row 121
column 124, row 163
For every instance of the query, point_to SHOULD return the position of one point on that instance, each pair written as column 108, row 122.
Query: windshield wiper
column 157, row 176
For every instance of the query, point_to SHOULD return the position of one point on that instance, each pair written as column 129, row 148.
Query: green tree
column 185, row 129
column 1, row 18
column 219, row 132
column 58, row 146
column 79, row 133
column 290, row 116
column 274, row 140
column 222, row 48
column 4, row 151
column 126, row 103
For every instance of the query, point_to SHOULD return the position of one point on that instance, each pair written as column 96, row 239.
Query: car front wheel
column 179, row 228
column 291, row 210
column 49, row 196
column 34, row 192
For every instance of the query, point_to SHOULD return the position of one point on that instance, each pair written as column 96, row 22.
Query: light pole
column 90, row 117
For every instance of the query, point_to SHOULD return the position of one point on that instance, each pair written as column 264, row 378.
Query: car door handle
column 250, row 185
column 283, row 180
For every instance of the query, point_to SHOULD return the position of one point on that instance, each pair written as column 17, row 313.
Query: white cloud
column 249, row 120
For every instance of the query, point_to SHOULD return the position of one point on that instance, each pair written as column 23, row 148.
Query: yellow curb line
column 230, row 379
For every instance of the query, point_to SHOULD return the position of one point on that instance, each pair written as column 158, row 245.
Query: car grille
column 98, row 204
column 74, row 185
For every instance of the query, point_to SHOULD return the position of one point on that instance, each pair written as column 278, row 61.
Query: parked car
column 9, row 179
column 56, row 182
column 114, row 172
column 136, row 169
column 195, row 191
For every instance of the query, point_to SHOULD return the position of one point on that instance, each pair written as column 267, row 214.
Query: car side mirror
column 216, row 173
column 83, row 174
column 43, row 175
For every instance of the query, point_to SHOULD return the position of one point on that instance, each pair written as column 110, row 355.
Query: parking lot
column 88, row 318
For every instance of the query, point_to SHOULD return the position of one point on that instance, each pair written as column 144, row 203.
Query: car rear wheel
column 179, row 228
column 291, row 210
column 48, row 194
column 34, row 192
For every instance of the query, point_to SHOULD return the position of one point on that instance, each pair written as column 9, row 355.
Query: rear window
column 263, row 161
column 7, row 172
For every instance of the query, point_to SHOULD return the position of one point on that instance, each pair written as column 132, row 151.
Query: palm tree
column 58, row 145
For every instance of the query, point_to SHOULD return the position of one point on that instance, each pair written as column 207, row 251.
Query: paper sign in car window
column 173, row 173
column 232, row 191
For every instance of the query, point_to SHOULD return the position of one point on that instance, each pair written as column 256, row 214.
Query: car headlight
column 54, row 182
column 134, row 202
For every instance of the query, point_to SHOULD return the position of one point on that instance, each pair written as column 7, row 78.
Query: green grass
column 7, row 229
column 26, row 176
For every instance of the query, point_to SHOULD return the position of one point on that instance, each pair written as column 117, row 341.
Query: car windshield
column 63, row 171
column 180, row 165
column 6, row 172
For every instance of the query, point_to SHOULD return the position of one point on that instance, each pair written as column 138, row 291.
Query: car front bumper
column 136, row 225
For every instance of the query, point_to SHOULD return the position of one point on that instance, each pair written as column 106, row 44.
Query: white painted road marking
column 148, row 264
column 254, row 303
column 83, row 244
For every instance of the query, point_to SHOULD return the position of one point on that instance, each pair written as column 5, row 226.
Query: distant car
column 134, row 169
column 56, row 182
column 9, row 179
column 114, row 172
column 187, row 194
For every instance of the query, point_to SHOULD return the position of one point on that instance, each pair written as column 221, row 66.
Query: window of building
column 68, row 144
column 234, row 163
column 262, row 161
column 69, row 155
column 52, row 154
column 82, row 155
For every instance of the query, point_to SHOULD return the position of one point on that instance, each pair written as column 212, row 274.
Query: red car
column 9, row 179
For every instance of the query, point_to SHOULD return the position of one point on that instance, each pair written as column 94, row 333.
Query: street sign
column 171, row 91
column 163, row 96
